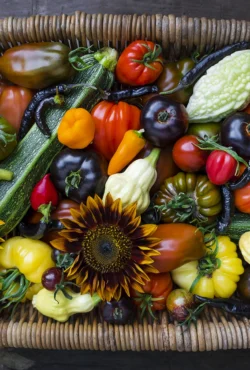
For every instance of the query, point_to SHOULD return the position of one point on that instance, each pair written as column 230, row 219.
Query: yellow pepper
column 31, row 257
column 215, row 275
column 244, row 245
column 76, row 129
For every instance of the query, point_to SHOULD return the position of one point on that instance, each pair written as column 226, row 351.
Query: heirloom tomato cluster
column 124, row 181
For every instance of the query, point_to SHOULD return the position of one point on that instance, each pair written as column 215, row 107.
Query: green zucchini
column 240, row 223
column 34, row 154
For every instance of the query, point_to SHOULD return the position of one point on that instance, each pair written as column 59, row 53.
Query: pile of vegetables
column 124, row 181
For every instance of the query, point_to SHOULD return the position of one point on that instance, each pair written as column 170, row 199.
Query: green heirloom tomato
column 188, row 197
column 204, row 129
column 7, row 138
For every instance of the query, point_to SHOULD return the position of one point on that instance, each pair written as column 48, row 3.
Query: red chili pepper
column 44, row 196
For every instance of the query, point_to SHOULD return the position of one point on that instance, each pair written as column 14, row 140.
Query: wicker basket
column 178, row 36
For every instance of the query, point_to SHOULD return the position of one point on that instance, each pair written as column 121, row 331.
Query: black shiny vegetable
column 235, row 133
column 37, row 231
column 37, row 99
column 242, row 181
column 79, row 173
column 33, row 231
column 227, row 210
column 208, row 61
column 243, row 285
column 163, row 120
column 57, row 100
column 130, row 93
column 233, row 306
column 151, row 216
column 119, row 312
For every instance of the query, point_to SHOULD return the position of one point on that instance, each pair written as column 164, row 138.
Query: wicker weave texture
column 178, row 36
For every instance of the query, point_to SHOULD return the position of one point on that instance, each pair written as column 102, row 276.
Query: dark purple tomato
column 235, row 133
column 119, row 312
column 244, row 284
column 164, row 121
column 51, row 278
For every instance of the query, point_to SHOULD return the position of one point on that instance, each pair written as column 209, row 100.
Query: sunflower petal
column 151, row 269
column 69, row 224
column 87, row 216
column 72, row 234
column 94, row 209
column 115, row 212
column 128, row 215
column 148, row 242
column 143, row 231
column 132, row 226
column 137, row 287
column 66, row 246
column 78, row 218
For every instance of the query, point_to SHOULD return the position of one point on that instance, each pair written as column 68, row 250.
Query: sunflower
column 113, row 250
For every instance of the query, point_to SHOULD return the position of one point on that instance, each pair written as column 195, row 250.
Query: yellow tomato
column 214, row 275
column 31, row 257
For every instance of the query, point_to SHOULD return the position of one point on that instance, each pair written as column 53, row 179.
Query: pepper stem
column 45, row 209
column 107, row 57
column 153, row 157
column 6, row 175
column 72, row 181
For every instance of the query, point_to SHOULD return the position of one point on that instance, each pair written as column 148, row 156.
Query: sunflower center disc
column 106, row 249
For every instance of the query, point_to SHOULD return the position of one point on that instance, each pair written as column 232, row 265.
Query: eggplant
column 79, row 173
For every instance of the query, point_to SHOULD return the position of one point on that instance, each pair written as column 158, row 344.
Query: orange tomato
column 242, row 199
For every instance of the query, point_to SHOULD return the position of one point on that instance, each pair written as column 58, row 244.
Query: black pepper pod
column 79, row 173
column 228, row 209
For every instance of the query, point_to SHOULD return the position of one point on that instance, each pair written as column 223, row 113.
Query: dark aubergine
column 164, row 121
column 243, row 286
column 235, row 133
column 119, row 312
column 79, row 173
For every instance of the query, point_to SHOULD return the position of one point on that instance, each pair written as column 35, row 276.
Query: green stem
column 72, row 181
column 211, row 143
column 153, row 157
column 45, row 210
column 107, row 57
column 6, row 175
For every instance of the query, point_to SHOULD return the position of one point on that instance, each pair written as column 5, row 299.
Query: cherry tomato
column 51, row 278
column 242, row 199
column 159, row 286
column 220, row 167
column 187, row 155
column 179, row 304
column 141, row 63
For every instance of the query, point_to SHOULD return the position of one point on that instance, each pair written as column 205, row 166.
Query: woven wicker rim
column 179, row 36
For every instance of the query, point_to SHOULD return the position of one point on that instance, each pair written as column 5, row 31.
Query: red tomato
column 111, row 122
column 159, row 286
column 141, row 63
column 220, row 167
column 242, row 199
column 13, row 102
column 187, row 155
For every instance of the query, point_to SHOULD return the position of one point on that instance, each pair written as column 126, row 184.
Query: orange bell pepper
column 76, row 129
column 131, row 144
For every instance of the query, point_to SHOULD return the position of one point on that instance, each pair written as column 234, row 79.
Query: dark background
column 62, row 360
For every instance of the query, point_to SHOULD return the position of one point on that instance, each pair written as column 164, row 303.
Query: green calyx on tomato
column 151, row 56
column 189, row 197
column 8, row 140
column 213, row 144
